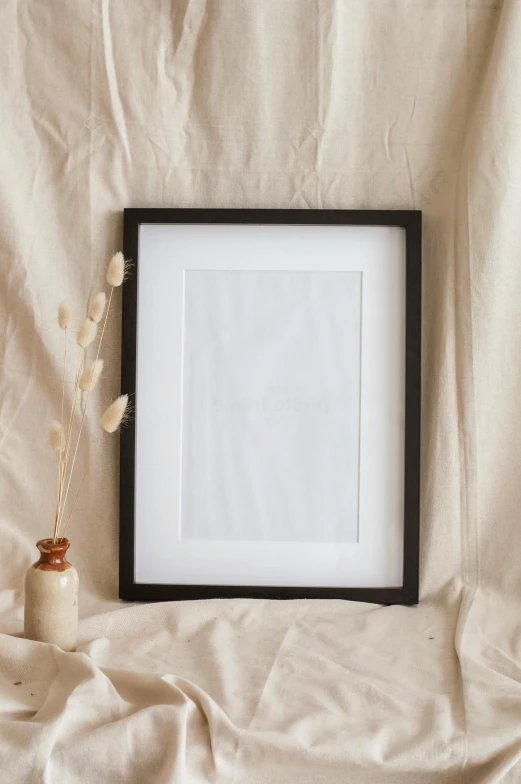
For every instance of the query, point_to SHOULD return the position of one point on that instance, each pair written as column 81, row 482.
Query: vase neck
column 53, row 555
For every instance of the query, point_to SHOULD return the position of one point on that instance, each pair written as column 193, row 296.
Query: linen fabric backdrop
column 279, row 103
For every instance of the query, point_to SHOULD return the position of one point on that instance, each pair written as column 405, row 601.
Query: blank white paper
column 271, row 406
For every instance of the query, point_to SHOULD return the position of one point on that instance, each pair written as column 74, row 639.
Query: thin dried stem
column 105, row 321
column 62, row 451
column 96, row 446
column 84, row 413
column 79, row 371
column 70, row 428
column 64, row 371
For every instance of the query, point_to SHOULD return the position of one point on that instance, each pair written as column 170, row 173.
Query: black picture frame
column 411, row 221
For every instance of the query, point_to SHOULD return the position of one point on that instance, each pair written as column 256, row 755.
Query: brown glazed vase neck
column 52, row 556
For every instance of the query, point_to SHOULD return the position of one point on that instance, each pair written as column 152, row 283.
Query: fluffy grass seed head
column 97, row 307
column 116, row 270
column 56, row 438
column 114, row 414
column 86, row 333
column 64, row 315
column 90, row 376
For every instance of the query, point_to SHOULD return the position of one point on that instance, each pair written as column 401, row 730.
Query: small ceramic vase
column 51, row 597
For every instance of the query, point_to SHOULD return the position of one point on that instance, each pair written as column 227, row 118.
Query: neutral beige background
column 268, row 103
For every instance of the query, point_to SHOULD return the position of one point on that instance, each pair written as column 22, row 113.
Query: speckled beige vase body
column 51, row 597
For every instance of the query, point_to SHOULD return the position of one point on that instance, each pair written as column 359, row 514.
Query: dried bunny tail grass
column 56, row 438
column 117, row 270
column 64, row 315
column 97, row 307
column 115, row 414
column 86, row 333
column 90, row 377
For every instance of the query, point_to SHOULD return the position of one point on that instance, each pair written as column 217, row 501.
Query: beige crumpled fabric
column 268, row 103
